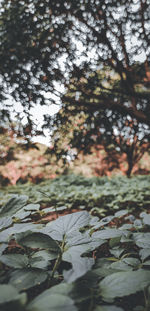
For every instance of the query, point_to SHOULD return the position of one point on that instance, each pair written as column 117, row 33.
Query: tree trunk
column 130, row 165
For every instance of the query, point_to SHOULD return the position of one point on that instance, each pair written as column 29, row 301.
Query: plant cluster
column 97, row 194
column 77, row 261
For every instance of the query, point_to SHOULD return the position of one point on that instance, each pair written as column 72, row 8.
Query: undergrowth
column 94, row 255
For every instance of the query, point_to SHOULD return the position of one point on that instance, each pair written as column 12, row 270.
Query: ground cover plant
column 75, row 243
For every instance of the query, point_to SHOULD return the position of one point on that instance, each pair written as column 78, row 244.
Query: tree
column 84, row 125
column 34, row 37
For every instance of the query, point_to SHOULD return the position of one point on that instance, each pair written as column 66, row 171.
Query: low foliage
column 100, row 195
column 77, row 261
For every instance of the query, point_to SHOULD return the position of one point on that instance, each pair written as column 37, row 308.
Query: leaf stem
column 91, row 301
column 59, row 258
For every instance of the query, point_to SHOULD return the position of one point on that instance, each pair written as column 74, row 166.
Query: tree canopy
column 99, row 50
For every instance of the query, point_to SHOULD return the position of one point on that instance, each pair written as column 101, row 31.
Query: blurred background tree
column 100, row 52
column 88, row 118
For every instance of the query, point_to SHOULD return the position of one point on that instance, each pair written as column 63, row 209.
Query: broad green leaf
column 63, row 289
column 94, row 220
column 79, row 291
column 26, row 278
column 46, row 254
column 142, row 239
column 64, row 225
column 41, row 259
column 21, row 214
column 124, row 283
column 146, row 263
column 109, row 233
column 138, row 223
column 80, row 265
column 126, row 239
column 78, row 244
column 86, row 242
column 13, row 205
column 32, row 207
column 56, row 302
column 134, row 262
column 146, row 219
column 126, row 226
column 17, row 228
column 37, row 240
column 103, row 222
column 15, row 260
column 105, row 267
column 76, row 238
column 9, row 293
column 5, row 222
column 121, row 213
column 120, row 265
column 114, row 242
column 117, row 251
column 2, row 248
column 144, row 253
column 38, row 262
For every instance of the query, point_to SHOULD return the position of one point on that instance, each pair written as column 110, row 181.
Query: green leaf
column 80, row 265
column 120, row 265
column 124, row 283
column 138, row 223
column 27, row 278
column 47, row 255
column 37, row 240
column 134, row 262
column 104, row 221
column 146, row 263
column 109, row 233
column 146, row 219
column 15, row 260
column 144, row 253
column 78, row 244
column 21, row 214
column 64, row 225
column 117, row 251
column 41, row 259
column 61, row 293
column 5, row 222
column 114, row 242
column 38, row 260
column 142, row 239
column 49, row 302
column 86, row 242
column 2, row 248
column 6, row 234
column 32, row 207
column 121, row 213
column 9, row 293
column 13, row 205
